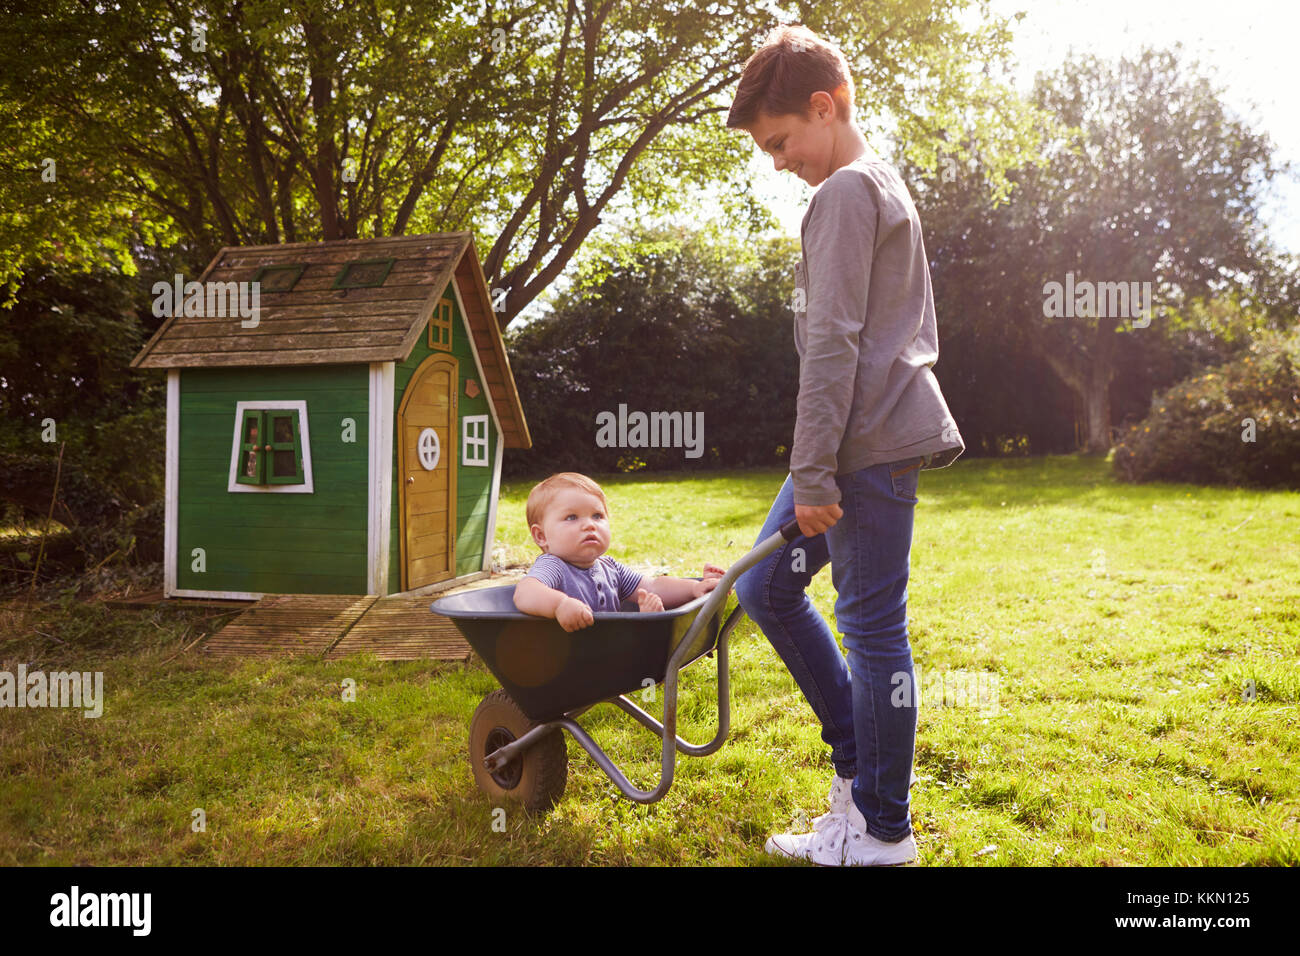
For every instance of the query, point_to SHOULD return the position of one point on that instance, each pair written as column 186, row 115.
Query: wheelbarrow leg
column 724, row 700
column 503, row 755
column 667, row 731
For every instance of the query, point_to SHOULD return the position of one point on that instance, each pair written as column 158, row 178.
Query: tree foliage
column 688, row 327
column 525, row 122
column 1151, row 180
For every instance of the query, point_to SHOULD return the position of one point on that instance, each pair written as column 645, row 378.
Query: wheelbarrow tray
column 550, row 672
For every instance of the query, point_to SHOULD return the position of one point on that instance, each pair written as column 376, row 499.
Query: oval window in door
column 428, row 449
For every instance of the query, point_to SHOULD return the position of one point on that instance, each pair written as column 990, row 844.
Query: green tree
column 1152, row 180
column 259, row 121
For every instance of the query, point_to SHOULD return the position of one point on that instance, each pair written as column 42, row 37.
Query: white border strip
column 171, row 482
column 304, row 437
column 222, row 595
column 490, row 543
column 379, row 524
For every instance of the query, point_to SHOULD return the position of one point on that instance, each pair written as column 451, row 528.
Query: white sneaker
column 825, row 844
column 840, row 837
column 862, row 849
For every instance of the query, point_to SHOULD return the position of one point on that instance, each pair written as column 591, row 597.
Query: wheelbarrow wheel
column 534, row 778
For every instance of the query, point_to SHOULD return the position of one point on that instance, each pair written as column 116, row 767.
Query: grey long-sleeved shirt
column 867, row 337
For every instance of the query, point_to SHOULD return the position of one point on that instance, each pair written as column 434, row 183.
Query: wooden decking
column 290, row 624
column 396, row 628
column 403, row 629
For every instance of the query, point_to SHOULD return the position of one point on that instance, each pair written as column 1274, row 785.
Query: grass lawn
column 1121, row 627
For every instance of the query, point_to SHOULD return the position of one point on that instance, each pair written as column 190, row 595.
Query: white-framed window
column 474, row 440
column 271, row 451
column 428, row 449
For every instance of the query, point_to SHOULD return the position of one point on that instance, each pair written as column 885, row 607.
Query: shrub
column 126, row 453
column 1237, row 424
column 670, row 332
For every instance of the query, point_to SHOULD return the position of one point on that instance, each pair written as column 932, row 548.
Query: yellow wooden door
column 426, row 425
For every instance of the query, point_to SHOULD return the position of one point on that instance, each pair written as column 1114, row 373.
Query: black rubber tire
column 537, row 777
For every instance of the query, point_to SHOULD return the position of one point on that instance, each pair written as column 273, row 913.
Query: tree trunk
column 1097, row 410
column 1087, row 376
column 1100, row 371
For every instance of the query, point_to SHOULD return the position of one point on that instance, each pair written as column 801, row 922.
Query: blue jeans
column 868, row 708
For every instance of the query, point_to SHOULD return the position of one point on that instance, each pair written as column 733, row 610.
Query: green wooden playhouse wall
column 268, row 542
column 473, row 483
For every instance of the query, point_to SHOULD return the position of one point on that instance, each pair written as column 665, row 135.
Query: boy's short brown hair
column 539, row 499
column 792, row 64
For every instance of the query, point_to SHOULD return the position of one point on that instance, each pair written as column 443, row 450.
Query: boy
column 568, row 518
column 869, row 417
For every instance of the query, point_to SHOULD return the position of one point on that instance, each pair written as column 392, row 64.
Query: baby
column 569, row 519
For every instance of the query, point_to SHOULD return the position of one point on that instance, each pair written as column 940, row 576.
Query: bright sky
column 1248, row 47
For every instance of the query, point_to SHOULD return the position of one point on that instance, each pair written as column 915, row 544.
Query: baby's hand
column 573, row 615
column 648, row 601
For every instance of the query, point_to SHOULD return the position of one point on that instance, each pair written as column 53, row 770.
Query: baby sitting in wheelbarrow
column 568, row 517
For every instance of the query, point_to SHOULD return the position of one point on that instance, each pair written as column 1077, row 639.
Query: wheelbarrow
column 550, row 677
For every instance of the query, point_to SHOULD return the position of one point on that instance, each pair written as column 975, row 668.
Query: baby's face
column 574, row 527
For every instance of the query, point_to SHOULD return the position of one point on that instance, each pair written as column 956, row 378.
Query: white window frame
column 306, row 488
column 473, row 442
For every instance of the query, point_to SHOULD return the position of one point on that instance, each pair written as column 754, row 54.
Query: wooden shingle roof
column 314, row 323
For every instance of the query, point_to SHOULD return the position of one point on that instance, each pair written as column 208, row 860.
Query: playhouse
column 344, row 438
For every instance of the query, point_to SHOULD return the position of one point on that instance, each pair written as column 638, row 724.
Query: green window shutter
column 252, row 458
column 284, row 462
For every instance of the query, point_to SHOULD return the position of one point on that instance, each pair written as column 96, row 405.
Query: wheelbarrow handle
column 718, row 595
